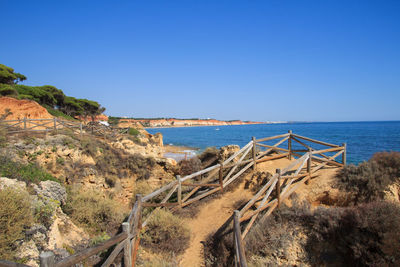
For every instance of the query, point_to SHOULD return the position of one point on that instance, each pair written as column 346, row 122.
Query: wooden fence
column 193, row 187
column 284, row 182
column 27, row 125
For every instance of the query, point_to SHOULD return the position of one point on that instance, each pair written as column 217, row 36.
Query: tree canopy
column 8, row 76
column 52, row 98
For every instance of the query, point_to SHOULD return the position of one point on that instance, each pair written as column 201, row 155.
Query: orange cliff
column 181, row 122
column 22, row 109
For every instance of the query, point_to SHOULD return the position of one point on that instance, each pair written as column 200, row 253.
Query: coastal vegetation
column 15, row 216
column 166, row 233
column 53, row 99
column 96, row 212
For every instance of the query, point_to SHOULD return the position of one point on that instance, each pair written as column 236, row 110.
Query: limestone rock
column 28, row 251
column 64, row 232
column 6, row 182
column 52, row 190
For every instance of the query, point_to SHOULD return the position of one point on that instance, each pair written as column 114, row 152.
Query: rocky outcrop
column 51, row 190
column 227, row 151
column 54, row 230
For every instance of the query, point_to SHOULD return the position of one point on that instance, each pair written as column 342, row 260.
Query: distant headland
column 175, row 122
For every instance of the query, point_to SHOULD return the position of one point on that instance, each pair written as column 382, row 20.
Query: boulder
column 52, row 190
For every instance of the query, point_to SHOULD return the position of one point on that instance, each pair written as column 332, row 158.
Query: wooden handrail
column 80, row 256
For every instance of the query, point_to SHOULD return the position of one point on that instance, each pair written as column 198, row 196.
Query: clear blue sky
column 249, row 60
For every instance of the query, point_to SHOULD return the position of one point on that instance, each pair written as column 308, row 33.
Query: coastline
column 216, row 125
column 179, row 153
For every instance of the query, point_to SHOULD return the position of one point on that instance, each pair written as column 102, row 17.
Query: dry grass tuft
column 15, row 216
column 166, row 233
column 95, row 212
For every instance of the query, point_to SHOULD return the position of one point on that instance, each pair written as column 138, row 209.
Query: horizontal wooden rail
column 192, row 184
column 165, row 204
column 78, row 257
column 271, row 138
column 4, row 263
column 314, row 141
column 327, row 150
column 274, row 147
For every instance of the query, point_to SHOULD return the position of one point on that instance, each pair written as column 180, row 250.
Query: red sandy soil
column 23, row 109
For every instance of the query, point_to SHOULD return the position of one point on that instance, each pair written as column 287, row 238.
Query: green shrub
column 166, row 233
column 364, row 235
column 133, row 132
column 140, row 165
column 8, row 90
column 113, row 121
column 58, row 113
column 99, row 239
column 367, row 181
column 44, row 211
column 15, row 217
column 60, row 161
column 24, row 172
column 189, row 166
column 95, row 212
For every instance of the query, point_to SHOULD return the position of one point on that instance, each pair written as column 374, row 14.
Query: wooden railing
column 193, row 187
column 27, row 125
column 284, row 181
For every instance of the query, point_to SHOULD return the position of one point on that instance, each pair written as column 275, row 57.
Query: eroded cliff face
column 23, row 109
column 138, row 123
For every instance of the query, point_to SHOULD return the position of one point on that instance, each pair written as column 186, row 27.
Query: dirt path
column 215, row 213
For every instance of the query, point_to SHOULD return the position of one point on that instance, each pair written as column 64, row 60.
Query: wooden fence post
column 55, row 124
column 309, row 162
column 290, row 145
column 237, row 233
column 254, row 154
column 278, row 187
column 80, row 129
column 179, row 190
column 127, row 246
column 24, row 123
column 137, row 229
column 344, row 153
column 221, row 174
column 47, row 259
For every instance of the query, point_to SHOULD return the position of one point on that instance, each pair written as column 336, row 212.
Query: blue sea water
column 363, row 139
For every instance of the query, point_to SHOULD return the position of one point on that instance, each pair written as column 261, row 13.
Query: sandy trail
column 216, row 212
